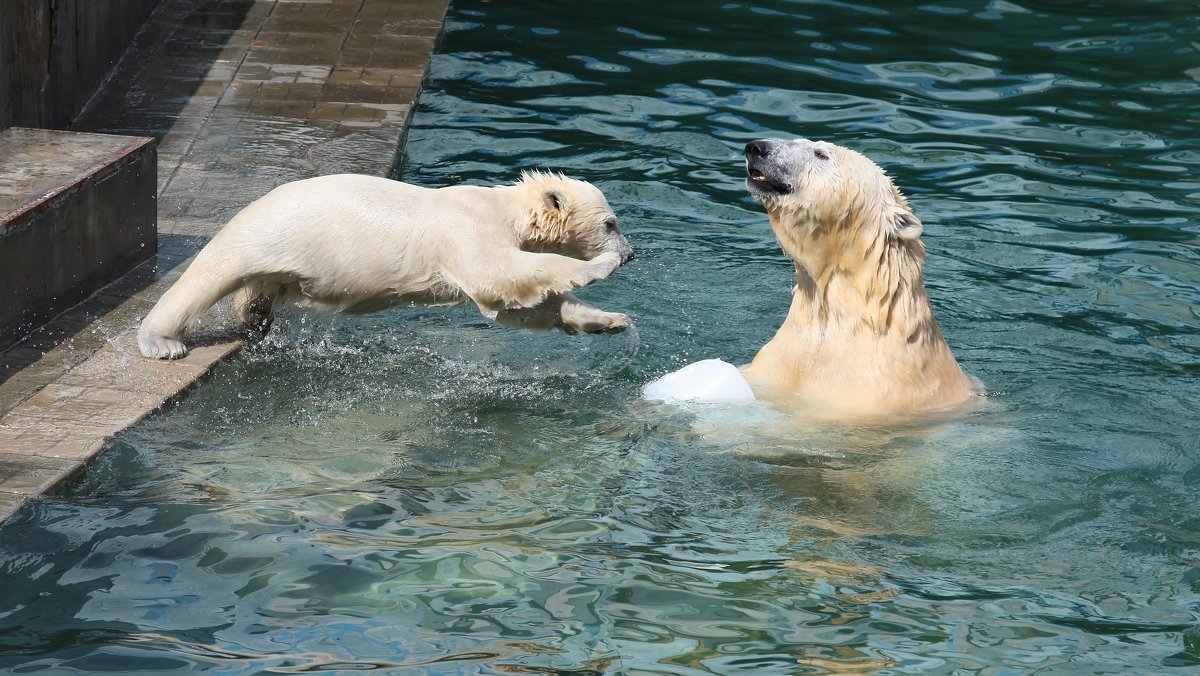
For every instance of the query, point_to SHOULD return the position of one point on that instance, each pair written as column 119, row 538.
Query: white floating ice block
column 709, row 380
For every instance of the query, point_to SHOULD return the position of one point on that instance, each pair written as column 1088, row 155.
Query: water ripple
column 421, row 492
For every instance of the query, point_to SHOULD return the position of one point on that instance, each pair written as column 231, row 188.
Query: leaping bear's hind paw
column 161, row 347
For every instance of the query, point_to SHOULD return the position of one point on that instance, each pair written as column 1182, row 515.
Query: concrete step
column 77, row 211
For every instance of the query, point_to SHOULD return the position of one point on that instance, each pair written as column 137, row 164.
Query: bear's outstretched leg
column 566, row 312
column 524, row 279
column 254, row 303
column 206, row 281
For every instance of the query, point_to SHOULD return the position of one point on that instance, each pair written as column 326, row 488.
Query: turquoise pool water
column 420, row 492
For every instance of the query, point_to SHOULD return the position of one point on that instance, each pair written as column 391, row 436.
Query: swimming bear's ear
column 906, row 226
column 554, row 199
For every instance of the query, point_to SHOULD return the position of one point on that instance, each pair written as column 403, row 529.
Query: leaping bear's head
column 570, row 217
column 821, row 194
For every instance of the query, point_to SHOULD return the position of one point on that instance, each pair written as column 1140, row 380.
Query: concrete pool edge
column 340, row 105
column 72, row 398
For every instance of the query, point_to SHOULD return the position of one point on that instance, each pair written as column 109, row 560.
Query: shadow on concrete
column 54, row 55
column 174, row 58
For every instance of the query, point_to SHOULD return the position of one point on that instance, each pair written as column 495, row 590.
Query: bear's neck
column 859, row 338
column 835, row 301
column 864, row 286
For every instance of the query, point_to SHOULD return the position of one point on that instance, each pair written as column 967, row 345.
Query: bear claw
column 164, row 348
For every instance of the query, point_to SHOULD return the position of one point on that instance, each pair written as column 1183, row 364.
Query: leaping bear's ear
column 554, row 199
column 907, row 226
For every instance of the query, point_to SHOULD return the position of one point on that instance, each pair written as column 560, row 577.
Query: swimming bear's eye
column 610, row 224
column 820, row 154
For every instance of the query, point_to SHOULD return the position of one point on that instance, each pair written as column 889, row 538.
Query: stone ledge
column 76, row 212
column 58, row 430
column 22, row 478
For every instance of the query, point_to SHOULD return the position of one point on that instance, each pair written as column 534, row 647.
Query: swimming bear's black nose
column 758, row 149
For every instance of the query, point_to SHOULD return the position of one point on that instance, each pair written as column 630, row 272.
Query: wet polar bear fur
column 860, row 337
column 361, row 243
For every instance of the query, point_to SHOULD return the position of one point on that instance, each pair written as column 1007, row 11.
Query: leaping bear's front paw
column 604, row 264
column 161, row 347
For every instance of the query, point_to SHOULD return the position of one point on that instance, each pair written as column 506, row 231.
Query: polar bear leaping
column 361, row 243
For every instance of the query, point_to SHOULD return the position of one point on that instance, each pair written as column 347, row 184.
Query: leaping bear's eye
column 820, row 154
column 610, row 224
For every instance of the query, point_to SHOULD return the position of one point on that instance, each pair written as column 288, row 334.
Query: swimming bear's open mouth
column 757, row 180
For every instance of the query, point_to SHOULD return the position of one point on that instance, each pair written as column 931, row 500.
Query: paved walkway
column 243, row 95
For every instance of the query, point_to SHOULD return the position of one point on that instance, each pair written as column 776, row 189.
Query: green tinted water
column 421, row 492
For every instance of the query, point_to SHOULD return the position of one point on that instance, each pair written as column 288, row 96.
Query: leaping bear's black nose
column 758, row 149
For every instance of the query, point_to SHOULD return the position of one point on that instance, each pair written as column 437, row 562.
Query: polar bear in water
column 860, row 338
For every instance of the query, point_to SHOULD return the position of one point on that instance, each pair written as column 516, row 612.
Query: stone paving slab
column 241, row 95
column 73, row 417
column 22, row 478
